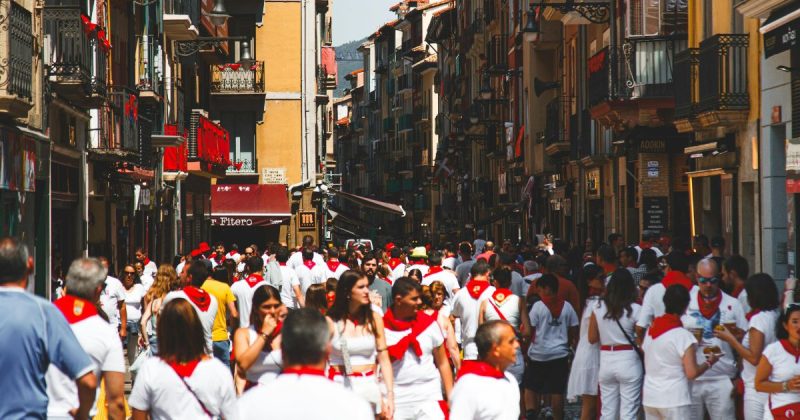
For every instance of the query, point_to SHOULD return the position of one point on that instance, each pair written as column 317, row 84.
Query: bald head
column 707, row 268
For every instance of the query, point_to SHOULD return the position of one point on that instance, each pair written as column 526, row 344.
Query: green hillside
column 348, row 59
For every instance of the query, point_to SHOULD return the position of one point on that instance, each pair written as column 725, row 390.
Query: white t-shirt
column 179, row 267
column 133, row 302
column 296, row 259
column 398, row 271
column 206, row 317
column 101, row 342
column 552, row 339
column 416, row 379
column 466, row 308
column 665, row 382
column 301, row 397
column 147, row 281
column 447, row 278
column 509, row 307
column 112, row 295
column 478, row 397
column 653, row 304
column 150, row 269
column 159, row 390
column 784, row 367
column 335, row 269
column 287, row 288
column 308, row 276
column 765, row 323
column 658, row 252
column 743, row 301
column 268, row 364
column 730, row 312
column 450, row 263
column 610, row 334
column 244, row 299
column 423, row 268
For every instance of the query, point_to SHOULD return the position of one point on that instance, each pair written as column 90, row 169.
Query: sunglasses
column 704, row 280
column 129, row 273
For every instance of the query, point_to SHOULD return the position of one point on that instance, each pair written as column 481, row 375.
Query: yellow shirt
column 223, row 293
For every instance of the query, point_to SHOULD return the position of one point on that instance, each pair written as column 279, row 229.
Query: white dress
column 583, row 378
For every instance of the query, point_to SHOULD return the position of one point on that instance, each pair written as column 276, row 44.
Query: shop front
column 248, row 213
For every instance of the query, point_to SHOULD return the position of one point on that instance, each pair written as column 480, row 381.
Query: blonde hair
column 166, row 281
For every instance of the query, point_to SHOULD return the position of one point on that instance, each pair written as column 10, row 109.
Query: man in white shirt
column 396, row 263
column 309, row 272
column 437, row 273
column 244, row 290
column 449, row 258
column 708, row 307
column 204, row 303
column 417, row 260
column 653, row 302
column 296, row 258
column 150, row 267
column 484, row 390
column 305, row 345
column 233, row 254
column 649, row 241
column 112, row 301
column 462, row 269
column 735, row 270
column 84, row 285
column 466, row 304
column 334, row 267
column 291, row 295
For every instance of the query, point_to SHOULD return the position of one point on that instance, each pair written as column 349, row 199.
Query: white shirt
column 232, row 255
column 450, row 263
column 133, row 302
column 296, row 259
column 287, row 288
column 340, row 268
column 610, row 334
column 423, row 268
column 447, row 278
column 206, row 317
column 484, row 398
column 509, row 307
column 416, row 379
column 112, row 295
column 301, row 397
column 765, row 323
column 150, row 269
column 665, row 382
column 784, row 367
column 244, row 299
column 308, row 276
column 268, row 364
column 730, row 312
column 159, row 390
column 466, row 309
column 147, row 281
column 658, row 252
column 552, row 338
column 179, row 267
column 743, row 301
column 101, row 342
column 398, row 271
column 653, row 304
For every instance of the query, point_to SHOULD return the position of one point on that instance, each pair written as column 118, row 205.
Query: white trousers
column 754, row 403
column 716, row 396
column 672, row 413
column 620, row 378
column 427, row 410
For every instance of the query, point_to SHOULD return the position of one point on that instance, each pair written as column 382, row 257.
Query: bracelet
column 785, row 386
column 264, row 336
column 381, row 349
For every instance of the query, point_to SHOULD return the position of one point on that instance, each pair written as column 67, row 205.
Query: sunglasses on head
column 713, row 280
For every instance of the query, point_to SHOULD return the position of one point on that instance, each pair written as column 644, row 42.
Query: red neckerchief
column 709, row 307
column 303, row 370
column 501, row 295
column 394, row 262
column 480, row 368
column 676, row 277
column 310, row 264
column 146, row 261
column 790, row 349
column 199, row 297
column 75, row 309
column 645, row 245
column 608, row 268
column 737, row 290
column 333, row 265
column 330, row 297
column 433, row 270
column 554, row 304
column 254, row 279
column 184, row 370
column 663, row 324
column 751, row 314
column 476, row 288
column 282, row 264
column 417, row 325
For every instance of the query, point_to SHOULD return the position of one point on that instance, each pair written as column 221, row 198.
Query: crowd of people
column 663, row 329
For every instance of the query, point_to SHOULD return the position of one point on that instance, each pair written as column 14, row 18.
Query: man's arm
column 87, row 385
column 115, row 394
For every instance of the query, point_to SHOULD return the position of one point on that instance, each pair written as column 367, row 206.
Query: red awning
column 249, row 205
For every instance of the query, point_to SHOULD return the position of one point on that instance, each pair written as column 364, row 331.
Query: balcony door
column 242, row 128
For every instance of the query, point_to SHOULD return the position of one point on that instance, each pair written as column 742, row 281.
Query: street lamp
column 245, row 58
column 218, row 15
column 486, row 88
column 531, row 29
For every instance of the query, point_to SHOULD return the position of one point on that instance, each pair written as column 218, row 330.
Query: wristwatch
column 785, row 386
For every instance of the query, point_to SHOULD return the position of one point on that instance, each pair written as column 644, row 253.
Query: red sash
column 433, row 270
column 476, row 288
column 333, row 266
column 480, row 368
column 184, row 370
column 663, row 324
column 303, row 370
column 394, row 262
column 498, row 298
column 75, row 309
column 785, row 412
column 199, row 297
column 310, row 264
column 554, row 304
column 676, row 277
column 254, row 279
column 419, row 324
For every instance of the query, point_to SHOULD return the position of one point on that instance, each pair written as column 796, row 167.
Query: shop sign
column 793, row 155
column 245, row 221
column 653, row 146
column 781, row 38
column 273, row 176
column 307, row 220
column 652, row 169
column 655, row 212
column 593, row 183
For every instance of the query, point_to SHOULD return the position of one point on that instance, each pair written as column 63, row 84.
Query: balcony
column 176, row 157
column 208, row 147
column 238, row 86
column 404, row 84
column 149, row 85
column 15, row 93
column 118, row 134
column 405, row 123
column 711, row 84
column 76, row 55
column 388, row 125
column 178, row 20
column 556, row 142
column 497, row 55
column 242, row 166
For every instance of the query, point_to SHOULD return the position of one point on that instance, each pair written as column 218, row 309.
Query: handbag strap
column 630, row 341
column 348, row 368
column 196, row 398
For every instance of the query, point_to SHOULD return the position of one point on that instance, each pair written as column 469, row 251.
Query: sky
column 355, row 19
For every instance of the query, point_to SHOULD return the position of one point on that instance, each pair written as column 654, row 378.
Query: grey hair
column 84, row 276
column 530, row 266
column 489, row 334
column 304, row 337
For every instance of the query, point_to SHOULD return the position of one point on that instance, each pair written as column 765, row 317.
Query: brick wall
column 649, row 186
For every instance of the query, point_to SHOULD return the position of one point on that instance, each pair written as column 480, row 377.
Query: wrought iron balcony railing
column 497, row 54
column 147, row 51
column 238, row 78
column 723, row 73
column 119, row 122
column 20, row 51
column 242, row 166
column 553, row 129
column 686, row 67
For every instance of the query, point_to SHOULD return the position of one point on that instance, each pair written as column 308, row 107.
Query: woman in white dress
column 257, row 347
column 583, row 378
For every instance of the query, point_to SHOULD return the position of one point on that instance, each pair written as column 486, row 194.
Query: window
column 644, row 17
